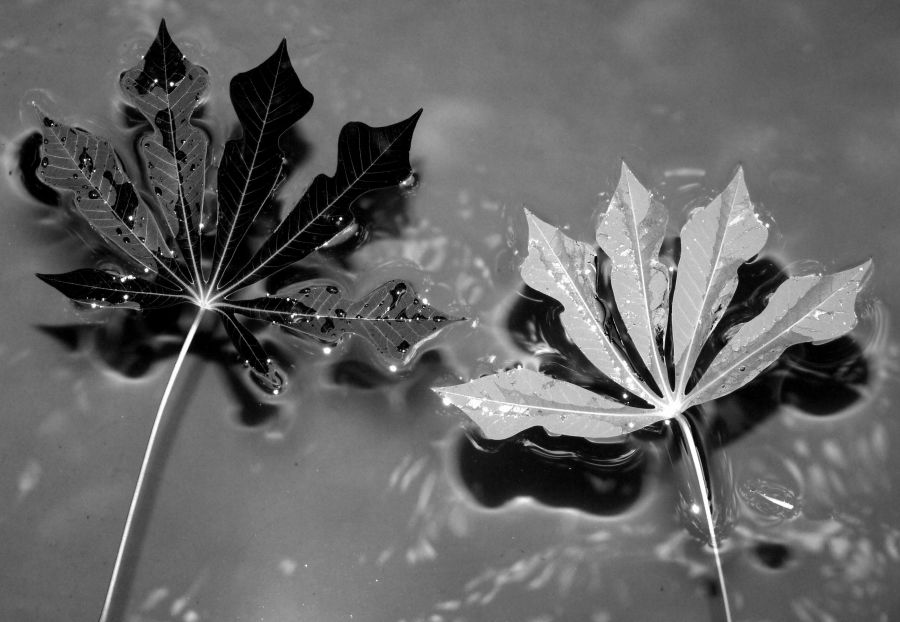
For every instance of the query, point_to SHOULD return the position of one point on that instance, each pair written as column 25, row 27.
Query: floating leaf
column 813, row 308
column 390, row 317
column 565, row 269
column 161, row 239
column 716, row 240
column 166, row 88
column 73, row 159
column 719, row 238
column 165, row 241
column 268, row 100
column 524, row 397
column 631, row 233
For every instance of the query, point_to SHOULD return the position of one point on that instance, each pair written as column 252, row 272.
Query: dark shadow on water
column 772, row 555
column 132, row 343
column 819, row 380
column 603, row 479
column 29, row 157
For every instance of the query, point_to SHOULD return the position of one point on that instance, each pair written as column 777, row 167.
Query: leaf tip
column 162, row 34
column 865, row 271
column 414, row 117
column 738, row 180
column 540, row 229
column 533, row 219
column 42, row 116
column 53, row 281
column 628, row 181
column 279, row 58
column 625, row 171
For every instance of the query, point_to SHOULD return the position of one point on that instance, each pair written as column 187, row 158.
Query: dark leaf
column 391, row 316
column 166, row 88
column 74, row 159
column 165, row 240
column 268, row 100
column 369, row 158
column 101, row 288
column 248, row 346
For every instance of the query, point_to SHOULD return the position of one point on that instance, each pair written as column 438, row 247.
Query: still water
column 354, row 494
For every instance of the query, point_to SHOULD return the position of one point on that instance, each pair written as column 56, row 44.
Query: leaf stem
column 114, row 582
column 686, row 431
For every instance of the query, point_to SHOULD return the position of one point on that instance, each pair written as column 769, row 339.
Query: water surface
column 355, row 495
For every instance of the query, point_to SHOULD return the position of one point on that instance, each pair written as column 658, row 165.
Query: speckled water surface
column 354, row 494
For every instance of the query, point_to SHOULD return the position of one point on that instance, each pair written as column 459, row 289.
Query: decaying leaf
column 716, row 240
column 169, row 254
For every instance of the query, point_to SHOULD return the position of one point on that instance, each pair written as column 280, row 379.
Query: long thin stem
column 685, row 427
column 114, row 583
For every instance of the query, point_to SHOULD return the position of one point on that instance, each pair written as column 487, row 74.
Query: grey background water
column 349, row 505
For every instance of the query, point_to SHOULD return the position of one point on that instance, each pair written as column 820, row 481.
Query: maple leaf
column 667, row 316
column 170, row 254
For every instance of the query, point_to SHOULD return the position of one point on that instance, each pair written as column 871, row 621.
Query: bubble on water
column 409, row 184
column 272, row 382
column 770, row 500
column 29, row 478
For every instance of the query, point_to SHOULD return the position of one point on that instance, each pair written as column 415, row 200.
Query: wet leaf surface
column 717, row 239
column 168, row 254
column 626, row 337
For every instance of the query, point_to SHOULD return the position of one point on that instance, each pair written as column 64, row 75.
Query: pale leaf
column 564, row 269
column 803, row 308
column 507, row 403
column 715, row 241
column 631, row 233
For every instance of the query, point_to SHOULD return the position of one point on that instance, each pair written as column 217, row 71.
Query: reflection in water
column 603, row 479
column 688, row 77
column 561, row 471
column 765, row 512
column 132, row 343
column 770, row 500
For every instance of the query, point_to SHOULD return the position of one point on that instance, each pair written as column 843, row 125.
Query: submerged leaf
column 165, row 240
